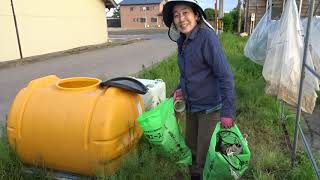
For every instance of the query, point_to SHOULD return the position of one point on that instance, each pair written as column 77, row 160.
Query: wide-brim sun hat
column 167, row 13
column 168, row 10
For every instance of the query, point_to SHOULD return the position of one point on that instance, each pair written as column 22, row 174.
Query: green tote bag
column 222, row 162
column 161, row 129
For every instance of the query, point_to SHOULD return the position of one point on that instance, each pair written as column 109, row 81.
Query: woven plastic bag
column 221, row 164
column 160, row 128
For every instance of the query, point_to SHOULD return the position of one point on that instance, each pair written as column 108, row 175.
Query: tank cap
column 126, row 83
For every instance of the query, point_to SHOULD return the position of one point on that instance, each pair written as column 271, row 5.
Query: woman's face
column 184, row 19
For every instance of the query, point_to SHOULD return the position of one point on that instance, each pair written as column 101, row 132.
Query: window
column 137, row 19
column 142, row 20
column 131, row 8
column 154, row 19
column 134, row 19
column 144, row 8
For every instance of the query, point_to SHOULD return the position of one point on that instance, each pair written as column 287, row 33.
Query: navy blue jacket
column 206, row 79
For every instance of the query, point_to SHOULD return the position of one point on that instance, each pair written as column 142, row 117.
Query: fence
column 298, row 115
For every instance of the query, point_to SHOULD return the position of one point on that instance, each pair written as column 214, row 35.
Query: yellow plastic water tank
column 73, row 125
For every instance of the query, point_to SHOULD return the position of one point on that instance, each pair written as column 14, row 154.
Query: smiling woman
column 206, row 81
column 185, row 18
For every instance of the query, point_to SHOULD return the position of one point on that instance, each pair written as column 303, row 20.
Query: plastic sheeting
column 256, row 46
column 314, row 40
column 282, row 67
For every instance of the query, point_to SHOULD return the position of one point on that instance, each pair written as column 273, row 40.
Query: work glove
column 226, row 122
column 177, row 95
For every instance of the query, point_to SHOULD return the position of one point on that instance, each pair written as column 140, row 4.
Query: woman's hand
column 177, row 95
column 226, row 122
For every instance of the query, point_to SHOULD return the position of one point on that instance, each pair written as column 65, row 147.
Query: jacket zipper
column 186, row 80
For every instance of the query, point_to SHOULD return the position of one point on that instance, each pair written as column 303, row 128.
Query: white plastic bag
column 256, row 46
column 282, row 67
column 156, row 92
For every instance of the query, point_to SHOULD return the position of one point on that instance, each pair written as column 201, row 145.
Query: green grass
column 257, row 116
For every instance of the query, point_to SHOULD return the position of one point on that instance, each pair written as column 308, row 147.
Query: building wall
column 51, row 26
column 8, row 39
column 259, row 7
column 131, row 16
column 256, row 7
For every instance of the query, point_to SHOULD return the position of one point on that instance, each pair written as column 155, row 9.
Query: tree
column 228, row 22
column 231, row 19
column 209, row 13
column 116, row 12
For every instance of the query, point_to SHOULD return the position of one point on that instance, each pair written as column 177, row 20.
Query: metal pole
column 17, row 30
column 282, row 112
column 306, row 42
column 309, row 153
column 313, row 71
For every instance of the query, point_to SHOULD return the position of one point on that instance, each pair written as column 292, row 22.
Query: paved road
column 107, row 62
column 135, row 36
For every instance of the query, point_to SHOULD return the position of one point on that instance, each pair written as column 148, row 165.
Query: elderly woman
column 206, row 81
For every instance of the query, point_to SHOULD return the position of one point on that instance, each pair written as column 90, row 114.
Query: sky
column 228, row 5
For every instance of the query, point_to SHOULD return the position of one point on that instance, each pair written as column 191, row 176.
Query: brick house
column 136, row 14
column 258, row 8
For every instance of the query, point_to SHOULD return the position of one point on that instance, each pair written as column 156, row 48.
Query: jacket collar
column 194, row 32
column 192, row 35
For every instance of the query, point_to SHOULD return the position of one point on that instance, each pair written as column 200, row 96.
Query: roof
column 110, row 4
column 137, row 2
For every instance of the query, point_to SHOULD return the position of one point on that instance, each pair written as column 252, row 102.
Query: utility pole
column 16, row 27
column 216, row 16
column 221, row 14
column 245, row 14
column 239, row 15
column 145, row 16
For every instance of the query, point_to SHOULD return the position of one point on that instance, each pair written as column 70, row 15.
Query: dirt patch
column 312, row 128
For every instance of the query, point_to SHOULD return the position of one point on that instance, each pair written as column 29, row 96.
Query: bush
column 230, row 21
column 209, row 13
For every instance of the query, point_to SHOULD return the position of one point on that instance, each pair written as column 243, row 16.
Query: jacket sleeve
column 216, row 59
